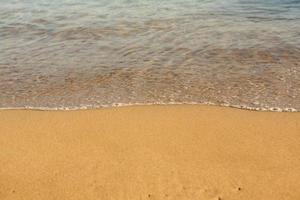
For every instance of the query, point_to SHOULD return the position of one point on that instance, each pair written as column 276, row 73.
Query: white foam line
column 88, row 107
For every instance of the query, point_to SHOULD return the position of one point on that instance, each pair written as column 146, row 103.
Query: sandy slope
column 150, row 152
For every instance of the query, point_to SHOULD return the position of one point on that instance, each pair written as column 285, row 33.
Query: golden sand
column 149, row 152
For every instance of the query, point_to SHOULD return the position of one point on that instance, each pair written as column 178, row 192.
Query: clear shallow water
column 68, row 54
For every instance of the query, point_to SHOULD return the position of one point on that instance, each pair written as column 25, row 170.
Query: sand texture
column 149, row 152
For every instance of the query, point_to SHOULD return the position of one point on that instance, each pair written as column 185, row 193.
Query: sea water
column 75, row 54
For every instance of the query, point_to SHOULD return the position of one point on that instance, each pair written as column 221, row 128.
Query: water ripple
column 75, row 54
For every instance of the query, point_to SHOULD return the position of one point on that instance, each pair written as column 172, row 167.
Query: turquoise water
column 73, row 54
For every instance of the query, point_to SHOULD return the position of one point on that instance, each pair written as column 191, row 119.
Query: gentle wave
column 81, row 55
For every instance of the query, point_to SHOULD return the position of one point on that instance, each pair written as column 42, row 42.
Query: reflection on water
column 77, row 54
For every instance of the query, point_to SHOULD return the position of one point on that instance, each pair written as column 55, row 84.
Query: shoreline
column 120, row 105
column 150, row 152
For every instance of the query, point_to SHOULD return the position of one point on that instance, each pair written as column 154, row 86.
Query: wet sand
column 149, row 152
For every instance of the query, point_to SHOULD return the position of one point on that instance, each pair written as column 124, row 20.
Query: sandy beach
column 149, row 152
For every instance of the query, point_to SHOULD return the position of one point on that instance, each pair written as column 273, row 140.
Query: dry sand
column 149, row 152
